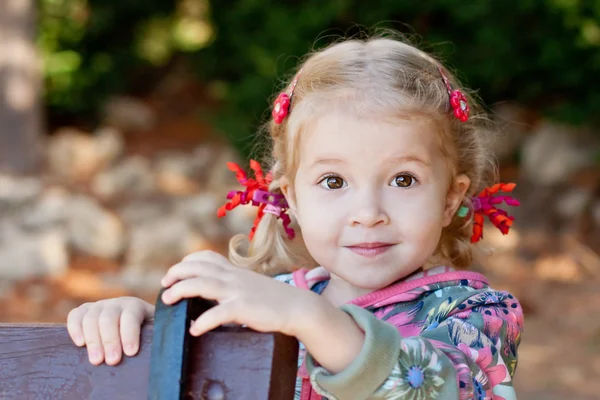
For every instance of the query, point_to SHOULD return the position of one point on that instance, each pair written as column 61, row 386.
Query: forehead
column 369, row 140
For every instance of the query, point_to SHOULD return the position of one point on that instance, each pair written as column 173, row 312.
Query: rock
column 571, row 204
column 195, row 241
column 49, row 211
column 220, row 178
column 156, row 244
column 155, row 249
column 201, row 213
column 72, row 155
column 137, row 212
column 176, row 174
column 140, row 281
column 94, row 230
column 131, row 177
column 241, row 220
column 128, row 114
column 26, row 255
column 203, row 158
column 15, row 191
column 110, row 145
column 553, row 153
column 558, row 268
column 513, row 125
column 76, row 156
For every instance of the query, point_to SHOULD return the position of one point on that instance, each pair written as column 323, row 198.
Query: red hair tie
column 281, row 107
column 257, row 193
column 485, row 204
column 458, row 100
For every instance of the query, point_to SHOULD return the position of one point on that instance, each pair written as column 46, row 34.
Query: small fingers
column 188, row 270
column 91, row 334
column 206, row 287
column 192, row 264
column 219, row 315
column 131, row 323
column 74, row 324
column 108, row 325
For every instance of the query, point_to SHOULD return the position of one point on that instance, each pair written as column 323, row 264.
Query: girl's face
column 371, row 196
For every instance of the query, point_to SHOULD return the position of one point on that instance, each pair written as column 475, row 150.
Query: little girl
column 380, row 162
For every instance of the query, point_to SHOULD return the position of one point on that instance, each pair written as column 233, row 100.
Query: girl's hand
column 245, row 297
column 108, row 327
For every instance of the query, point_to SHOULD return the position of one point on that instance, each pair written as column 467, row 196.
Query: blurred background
column 117, row 118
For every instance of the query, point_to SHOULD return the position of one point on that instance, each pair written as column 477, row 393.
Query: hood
column 408, row 289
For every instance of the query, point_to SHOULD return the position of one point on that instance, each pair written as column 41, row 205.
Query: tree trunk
column 20, row 108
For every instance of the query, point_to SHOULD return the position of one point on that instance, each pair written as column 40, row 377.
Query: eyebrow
column 409, row 158
column 391, row 160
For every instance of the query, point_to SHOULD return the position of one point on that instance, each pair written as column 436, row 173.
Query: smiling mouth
column 370, row 249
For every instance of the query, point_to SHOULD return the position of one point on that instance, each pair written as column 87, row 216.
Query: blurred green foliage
column 94, row 48
column 541, row 53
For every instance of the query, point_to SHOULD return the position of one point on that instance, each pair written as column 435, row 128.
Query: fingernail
column 112, row 353
column 95, row 356
column 79, row 340
column 130, row 349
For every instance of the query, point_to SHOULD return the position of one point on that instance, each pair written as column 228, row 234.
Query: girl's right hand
column 109, row 327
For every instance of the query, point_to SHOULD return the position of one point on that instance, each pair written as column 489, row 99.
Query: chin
column 371, row 281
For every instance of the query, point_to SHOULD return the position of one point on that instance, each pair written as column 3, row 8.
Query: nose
column 368, row 212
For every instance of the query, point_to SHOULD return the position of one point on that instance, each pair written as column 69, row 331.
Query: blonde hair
column 374, row 76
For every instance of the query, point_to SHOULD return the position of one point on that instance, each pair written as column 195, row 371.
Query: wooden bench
column 39, row 361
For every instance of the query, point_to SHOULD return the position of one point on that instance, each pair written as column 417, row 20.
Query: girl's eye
column 332, row 182
column 403, row 180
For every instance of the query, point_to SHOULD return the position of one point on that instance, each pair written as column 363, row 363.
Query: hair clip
column 485, row 204
column 281, row 106
column 257, row 193
column 458, row 100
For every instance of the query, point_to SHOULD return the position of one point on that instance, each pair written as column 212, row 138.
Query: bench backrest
column 39, row 361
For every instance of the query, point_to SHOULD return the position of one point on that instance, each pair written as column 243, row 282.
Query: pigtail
column 270, row 251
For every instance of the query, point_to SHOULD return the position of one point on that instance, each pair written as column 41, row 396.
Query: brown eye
column 403, row 180
column 332, row 182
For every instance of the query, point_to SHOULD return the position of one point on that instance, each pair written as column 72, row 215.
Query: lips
column 370, row 249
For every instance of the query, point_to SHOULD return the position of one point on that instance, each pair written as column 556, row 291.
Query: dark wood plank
column 170, row 346
column 40, row 362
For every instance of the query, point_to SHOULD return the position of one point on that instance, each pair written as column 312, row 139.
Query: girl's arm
column 471, row 354
column 332, row 336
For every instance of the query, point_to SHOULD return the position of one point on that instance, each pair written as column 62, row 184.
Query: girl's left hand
column 245, row 297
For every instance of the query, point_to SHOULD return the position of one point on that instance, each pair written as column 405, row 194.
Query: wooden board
column 39, row 361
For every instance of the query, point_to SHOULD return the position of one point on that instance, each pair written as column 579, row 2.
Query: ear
column 456, row 194
column 288, row 192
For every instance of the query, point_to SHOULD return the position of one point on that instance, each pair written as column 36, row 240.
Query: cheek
column 421, row 215
column 309, row 211
column 315, row 215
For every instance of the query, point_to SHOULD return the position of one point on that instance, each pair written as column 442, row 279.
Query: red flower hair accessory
column 281, row 107
column 257, row 193
column 458, row 100
column 485, row 204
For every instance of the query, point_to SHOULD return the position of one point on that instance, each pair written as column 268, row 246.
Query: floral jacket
column 438, row 334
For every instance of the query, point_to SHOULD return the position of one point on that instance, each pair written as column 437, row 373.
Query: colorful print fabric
column 459, row 336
